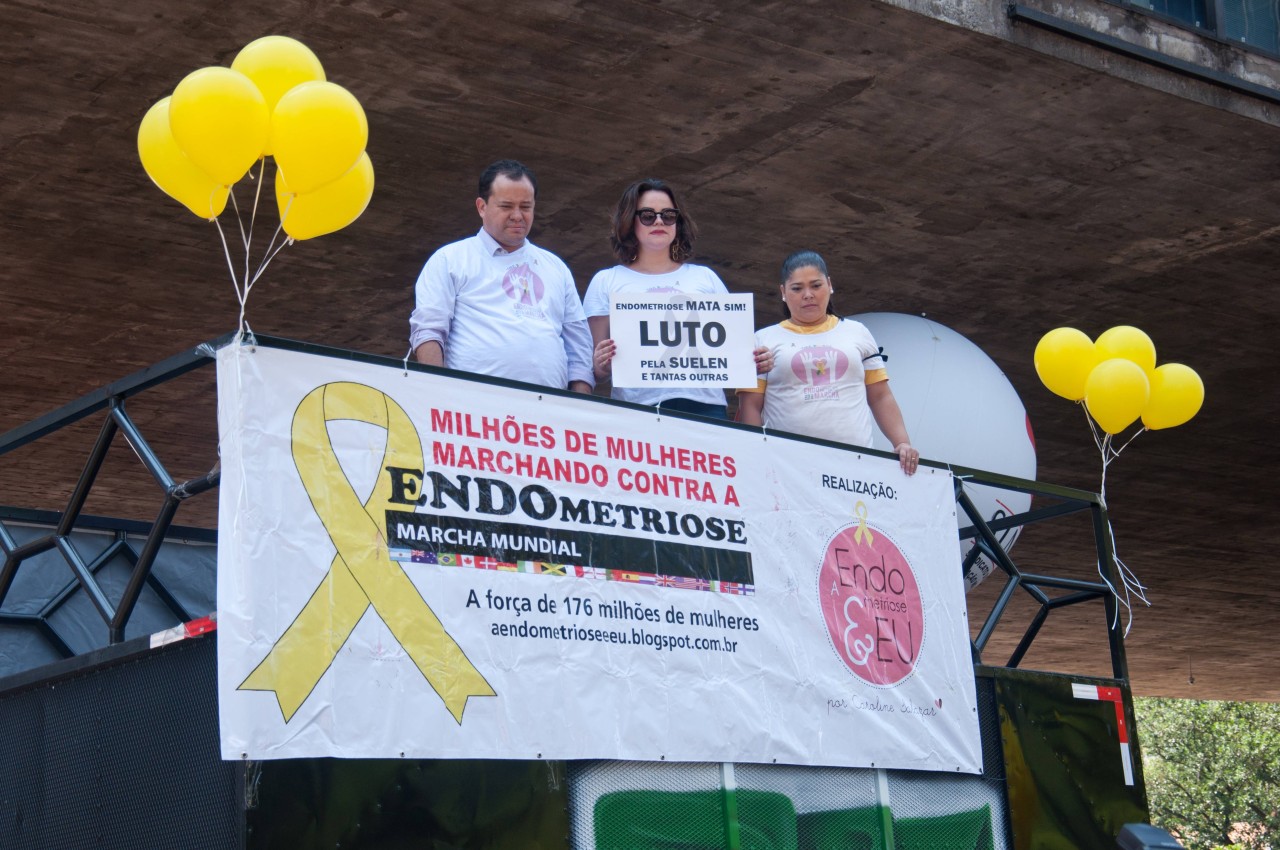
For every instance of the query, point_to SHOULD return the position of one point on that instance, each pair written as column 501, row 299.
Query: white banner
column 413, row 565
column 677, row 339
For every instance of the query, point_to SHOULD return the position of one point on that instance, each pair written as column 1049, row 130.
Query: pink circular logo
column 521, row 284
column 819, row 364
column 871, row 604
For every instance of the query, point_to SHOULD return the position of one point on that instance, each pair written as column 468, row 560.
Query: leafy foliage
column 1213, row 771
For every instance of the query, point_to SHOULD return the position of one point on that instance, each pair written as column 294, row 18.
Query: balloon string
column 1131, row 585
column 272, row 250
column 253, row 221
column 231, row 268
column 257, row 196
column 1138, row 434
column 244, row 237
column 284, row 214
column 244, row 285
column 270, row 255
column 1093, row 429
column 1105, row 447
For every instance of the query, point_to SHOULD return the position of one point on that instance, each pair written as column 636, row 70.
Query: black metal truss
column 117, row 421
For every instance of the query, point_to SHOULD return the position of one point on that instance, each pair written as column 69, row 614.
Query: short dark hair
column 623, row 237
column 799, row 260
column 510, row 169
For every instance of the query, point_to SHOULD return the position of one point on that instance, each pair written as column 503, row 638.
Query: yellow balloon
column 169, row 168
column 277, row 63
column 329, row 208
column 1064, row 358
column 1127, row 342
column 1176, row 395
column 220, row 120
column 1116, row 393
column 318, row 131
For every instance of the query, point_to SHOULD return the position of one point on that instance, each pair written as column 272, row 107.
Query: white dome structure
column 959, row 408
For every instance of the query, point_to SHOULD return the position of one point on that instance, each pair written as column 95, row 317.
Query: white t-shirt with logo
column 510, row 314
column 688, row 278
column 818, row 384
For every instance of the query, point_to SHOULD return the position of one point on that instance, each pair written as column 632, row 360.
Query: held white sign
column 677, row 339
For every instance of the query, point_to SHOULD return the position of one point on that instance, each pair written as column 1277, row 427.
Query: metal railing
column 112, row 399
column 116, row 614
column 1036, row 585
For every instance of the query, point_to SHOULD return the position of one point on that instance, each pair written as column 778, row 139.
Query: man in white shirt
column 495, row 303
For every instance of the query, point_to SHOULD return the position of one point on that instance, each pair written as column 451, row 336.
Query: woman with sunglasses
column 652, row 238
column 830, row 378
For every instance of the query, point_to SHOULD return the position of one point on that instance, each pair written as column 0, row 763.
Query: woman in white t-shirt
column 652, row 238
column 829, row 380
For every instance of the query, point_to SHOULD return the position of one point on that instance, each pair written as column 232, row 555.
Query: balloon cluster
column 273, row 100
column 1117, row 378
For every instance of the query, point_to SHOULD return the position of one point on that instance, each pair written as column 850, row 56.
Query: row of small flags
column 477, row 562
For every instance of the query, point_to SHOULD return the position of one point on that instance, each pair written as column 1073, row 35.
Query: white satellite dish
column 959, row 408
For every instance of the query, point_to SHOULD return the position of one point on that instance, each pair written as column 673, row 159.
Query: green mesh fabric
column 962, row 831
column 695, row 820
column 692, row 820
column 847, row 829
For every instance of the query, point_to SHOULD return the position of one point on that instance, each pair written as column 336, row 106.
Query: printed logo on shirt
column 819, row 367
column 523, row 286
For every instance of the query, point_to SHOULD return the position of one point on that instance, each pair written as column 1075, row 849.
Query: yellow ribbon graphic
column 861, row 510
column 362, row 572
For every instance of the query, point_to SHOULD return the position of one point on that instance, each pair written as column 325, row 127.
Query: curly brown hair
column 623, row 238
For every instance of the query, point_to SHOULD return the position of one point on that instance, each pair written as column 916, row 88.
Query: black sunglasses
column 648, row 216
